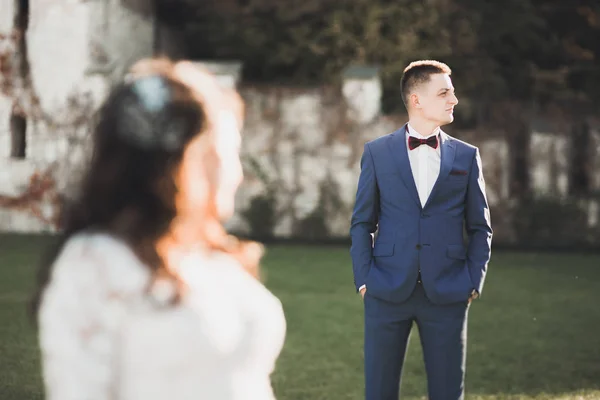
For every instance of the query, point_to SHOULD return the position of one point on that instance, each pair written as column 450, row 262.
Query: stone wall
column 7, row 17
column 302, row 155
column 302, row 150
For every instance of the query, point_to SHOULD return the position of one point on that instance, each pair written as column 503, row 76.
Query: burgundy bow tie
column 414, row 142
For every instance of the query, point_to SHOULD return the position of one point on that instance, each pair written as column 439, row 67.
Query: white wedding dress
column 104, row 337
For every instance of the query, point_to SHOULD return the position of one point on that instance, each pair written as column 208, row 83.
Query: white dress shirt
column 424, row 163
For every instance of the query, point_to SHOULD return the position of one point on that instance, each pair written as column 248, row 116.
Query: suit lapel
column 448, row 151
column 397, row 145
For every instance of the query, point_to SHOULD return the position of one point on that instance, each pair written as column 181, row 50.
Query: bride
column 146, row 296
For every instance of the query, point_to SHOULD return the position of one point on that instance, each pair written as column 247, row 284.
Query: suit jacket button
column 418, row 247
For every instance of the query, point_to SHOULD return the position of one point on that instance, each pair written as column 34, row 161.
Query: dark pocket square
column 458, row 172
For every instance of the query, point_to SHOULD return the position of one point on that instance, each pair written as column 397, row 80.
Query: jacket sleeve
column 365, row 218
column 478, row 225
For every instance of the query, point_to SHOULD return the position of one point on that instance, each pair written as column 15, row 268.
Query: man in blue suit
column 418, row 192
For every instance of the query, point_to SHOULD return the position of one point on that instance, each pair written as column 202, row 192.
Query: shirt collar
column 410, row 131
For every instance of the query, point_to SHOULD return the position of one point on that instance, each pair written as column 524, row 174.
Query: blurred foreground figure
column 146, row 296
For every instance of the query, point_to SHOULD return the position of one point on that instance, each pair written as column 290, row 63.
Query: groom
column 418, row 189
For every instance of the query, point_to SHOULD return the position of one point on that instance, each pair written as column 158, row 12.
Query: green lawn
column 535, row 334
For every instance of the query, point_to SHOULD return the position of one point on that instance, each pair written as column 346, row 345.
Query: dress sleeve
column 78, row 322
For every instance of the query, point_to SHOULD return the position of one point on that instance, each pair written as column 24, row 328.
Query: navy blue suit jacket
column 393, row 236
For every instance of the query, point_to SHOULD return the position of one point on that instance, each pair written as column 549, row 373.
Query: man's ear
column 413, row 100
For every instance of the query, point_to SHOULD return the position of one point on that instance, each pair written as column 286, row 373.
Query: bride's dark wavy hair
column 129, row 188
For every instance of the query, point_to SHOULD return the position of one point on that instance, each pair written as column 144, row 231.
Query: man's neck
column 423, row 128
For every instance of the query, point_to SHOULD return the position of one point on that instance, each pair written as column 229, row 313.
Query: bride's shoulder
column 96, row 243
column 101, row 256
column 225, row 271
column 96, row 248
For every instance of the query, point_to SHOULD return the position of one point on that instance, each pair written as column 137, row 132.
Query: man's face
column 435, row 100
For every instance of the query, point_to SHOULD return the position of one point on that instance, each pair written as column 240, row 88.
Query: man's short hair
column 419, row 72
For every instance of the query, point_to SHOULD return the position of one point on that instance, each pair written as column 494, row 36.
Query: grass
column 535, row 333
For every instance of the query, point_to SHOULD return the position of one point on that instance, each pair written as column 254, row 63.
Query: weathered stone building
column 59, row 59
